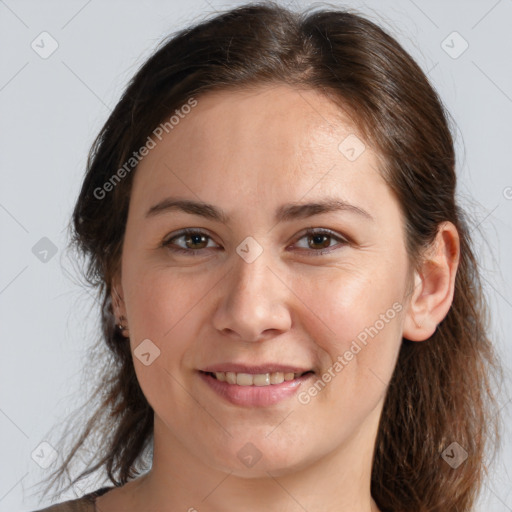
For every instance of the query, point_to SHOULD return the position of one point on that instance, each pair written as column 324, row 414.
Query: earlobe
column 434, row 286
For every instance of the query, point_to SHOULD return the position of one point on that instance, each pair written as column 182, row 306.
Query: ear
column 117, row 298
column 434, row 285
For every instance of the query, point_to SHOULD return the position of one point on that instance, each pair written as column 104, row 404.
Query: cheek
column 162, row 305
column 357, row 324
column 347, row 300
column 161, row 313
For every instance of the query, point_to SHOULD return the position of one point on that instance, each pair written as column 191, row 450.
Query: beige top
column 84, row 504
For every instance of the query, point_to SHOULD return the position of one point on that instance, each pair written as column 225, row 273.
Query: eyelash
column 310, row 232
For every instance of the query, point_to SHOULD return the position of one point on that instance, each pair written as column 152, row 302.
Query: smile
column 259, row 379
column 254, row 390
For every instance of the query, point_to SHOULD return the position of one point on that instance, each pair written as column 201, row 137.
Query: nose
column 253, row 304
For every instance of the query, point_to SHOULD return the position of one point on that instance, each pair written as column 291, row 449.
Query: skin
column 248, row 153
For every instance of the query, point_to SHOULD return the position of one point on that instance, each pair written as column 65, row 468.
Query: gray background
column 52, row 108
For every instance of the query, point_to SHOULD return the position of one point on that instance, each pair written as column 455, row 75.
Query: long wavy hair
column 441, row 390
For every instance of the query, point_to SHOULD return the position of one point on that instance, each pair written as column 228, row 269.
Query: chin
column 257, row 459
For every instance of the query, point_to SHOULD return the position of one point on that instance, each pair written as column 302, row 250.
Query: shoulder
column 83, row 504
column 78, row 505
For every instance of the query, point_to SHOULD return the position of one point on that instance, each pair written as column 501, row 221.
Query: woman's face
column 251, row 287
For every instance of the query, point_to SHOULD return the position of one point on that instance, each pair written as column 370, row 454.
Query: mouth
column 261, row 385
column 274, row 378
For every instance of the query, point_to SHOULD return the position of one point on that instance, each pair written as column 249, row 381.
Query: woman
column 290, row 297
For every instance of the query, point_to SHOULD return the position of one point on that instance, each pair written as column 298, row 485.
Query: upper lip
column 254, row 369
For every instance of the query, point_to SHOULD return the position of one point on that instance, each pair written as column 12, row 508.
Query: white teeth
column 276, row 378
column 259, row 379
column 244, row 379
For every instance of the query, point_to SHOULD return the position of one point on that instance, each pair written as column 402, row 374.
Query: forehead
column 277, row 120
column 260, row 143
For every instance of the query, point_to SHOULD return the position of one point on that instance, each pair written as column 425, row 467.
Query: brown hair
column 440, row 391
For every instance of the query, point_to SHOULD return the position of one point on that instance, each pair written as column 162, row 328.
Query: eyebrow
column 284, row 213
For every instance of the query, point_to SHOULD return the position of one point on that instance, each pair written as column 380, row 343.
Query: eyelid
column 184, row 232
column 323, row 231
column 311, row 231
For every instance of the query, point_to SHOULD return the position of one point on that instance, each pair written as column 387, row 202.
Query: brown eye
column 319, row 241
column 192, row 242
column 194, row 239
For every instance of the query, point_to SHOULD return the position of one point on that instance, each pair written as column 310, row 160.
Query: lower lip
column 255, row 396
